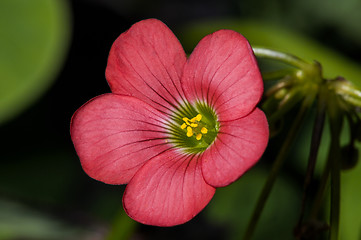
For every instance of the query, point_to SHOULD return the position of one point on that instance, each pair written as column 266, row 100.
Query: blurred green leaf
column 322, row 17
column 18, row 221
column 34, row 37
column 47, row 187
column 341, row 15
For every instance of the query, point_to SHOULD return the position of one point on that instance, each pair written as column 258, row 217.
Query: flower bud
column 349, row 157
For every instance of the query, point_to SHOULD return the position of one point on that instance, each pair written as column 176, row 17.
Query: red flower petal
column 147, row 62
column 238, row 147
column 114, row 135
column 223, row 72
column 168, row 190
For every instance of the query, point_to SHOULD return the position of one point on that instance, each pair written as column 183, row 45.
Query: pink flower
column 173, row 128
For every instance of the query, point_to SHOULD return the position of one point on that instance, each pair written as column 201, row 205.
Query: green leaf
column 34, row 36
column 18, row 221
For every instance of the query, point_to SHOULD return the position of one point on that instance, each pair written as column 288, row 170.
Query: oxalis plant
column 176, row 128
column 303, row 88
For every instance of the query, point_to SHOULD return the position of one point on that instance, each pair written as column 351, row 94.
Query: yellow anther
column 189, row 132
column 196, row 118
column 192, row 126
column 199, row 136
column 186, row 120
column 204, row 130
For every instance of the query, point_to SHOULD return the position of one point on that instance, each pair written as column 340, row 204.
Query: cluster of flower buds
column 304, row 82
column 299, row 87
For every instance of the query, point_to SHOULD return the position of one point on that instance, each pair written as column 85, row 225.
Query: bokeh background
column 53, row 55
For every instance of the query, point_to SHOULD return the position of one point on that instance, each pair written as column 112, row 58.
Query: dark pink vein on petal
column 229, row 70
column 168, row 190
column 145, row 82
column 239, row 145
column 218, row 104
column 173, row 81
column 211, row 101
column 113, row 134
column 146, row 62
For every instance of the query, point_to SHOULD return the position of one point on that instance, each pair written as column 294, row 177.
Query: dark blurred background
column 44, row 193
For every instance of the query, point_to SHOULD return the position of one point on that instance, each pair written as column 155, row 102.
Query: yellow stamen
column 186, row 120
column 199, row 136
column 196, row 118
column 189, row 132
column 204, row 130
column 192, row 127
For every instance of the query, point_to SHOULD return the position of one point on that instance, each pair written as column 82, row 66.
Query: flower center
column 194, row 128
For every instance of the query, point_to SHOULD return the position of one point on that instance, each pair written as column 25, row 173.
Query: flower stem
column 280, row 56
column 276, row 167
column 122, row 227
column 335, row 158
column 335, row 188
column 333, row 167
column 317, row 203
column 315, row 144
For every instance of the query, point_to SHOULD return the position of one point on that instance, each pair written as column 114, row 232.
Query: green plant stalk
column 280, row 56
column 317, row 203
column 335, row 158
column 335, row 186
column 333, row 166
column 122, row 226
column 315, row 145
column 307, row 102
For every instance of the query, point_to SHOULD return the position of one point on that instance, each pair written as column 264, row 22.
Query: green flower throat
column 193, row 128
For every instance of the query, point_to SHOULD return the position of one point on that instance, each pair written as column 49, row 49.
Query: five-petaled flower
column 173, row 128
